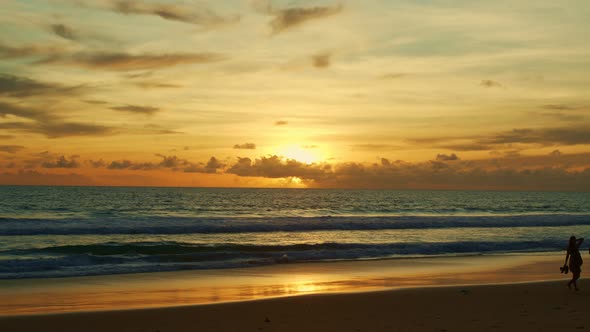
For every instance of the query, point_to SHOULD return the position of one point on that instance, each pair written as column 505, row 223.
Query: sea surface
column 76, row 231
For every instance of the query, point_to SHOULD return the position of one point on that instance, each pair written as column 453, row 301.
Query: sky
column 482, row 95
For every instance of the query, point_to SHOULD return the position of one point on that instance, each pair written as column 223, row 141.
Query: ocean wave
column 112, row 258
column 188, row 225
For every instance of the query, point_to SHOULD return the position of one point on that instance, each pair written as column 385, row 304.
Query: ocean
column 48, row 232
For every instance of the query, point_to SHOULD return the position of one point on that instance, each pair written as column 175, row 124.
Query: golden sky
column 345, row 94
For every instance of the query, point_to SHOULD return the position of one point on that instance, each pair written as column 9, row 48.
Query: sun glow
column 299, row 153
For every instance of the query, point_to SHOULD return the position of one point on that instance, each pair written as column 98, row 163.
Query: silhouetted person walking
column 575, row 260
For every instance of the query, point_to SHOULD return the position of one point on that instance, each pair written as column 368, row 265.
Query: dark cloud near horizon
column 496, row 174
column 173, row 163
column 213, row 165
column 130, row 62
column 276, row 167
column 127, row 164
column 62, row 162
column 512, row 154
column 445, row 157
column 97, row 163
column 149, row 110
column 210, row 167
column 553, row 171
column 245, row 146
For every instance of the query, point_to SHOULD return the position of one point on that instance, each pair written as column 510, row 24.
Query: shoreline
column 202, row 287
column 524, row 306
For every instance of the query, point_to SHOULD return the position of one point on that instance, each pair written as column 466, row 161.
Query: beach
column 513, row 307
column 485, row 293
column 211, row 259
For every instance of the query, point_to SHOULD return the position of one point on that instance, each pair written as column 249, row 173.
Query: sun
column 298, row 153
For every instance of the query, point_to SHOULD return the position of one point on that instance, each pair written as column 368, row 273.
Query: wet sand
column 488, row 293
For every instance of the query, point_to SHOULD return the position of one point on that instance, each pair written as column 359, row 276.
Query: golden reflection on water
column 306, row 287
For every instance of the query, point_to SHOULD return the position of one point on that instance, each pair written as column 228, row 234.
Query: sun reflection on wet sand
column 202, row 287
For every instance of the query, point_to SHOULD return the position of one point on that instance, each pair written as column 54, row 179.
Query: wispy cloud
column 61, row 129
column 96, row 102
column 568, row 135
column 560, row 107
column 15, row 86
column 9, row 52
column 156, row 85
column 128, row 62
column 281, row 123
column 468, row 146
column 373, row 147
column 11, row 148
column 151, row 128
column 25, row 112
column 391, row 76
column 63, row 31
column 491, row 84
column 322, row 60
column 545, row 136
column 149, row 110
column 193, row 13
column 288, row 18
column 43, row 122
column 562, row 115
